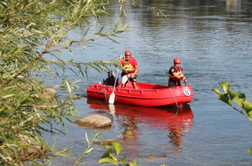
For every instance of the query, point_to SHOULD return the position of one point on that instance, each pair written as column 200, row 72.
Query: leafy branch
column 112, row 154
column 238, row 98
column 230, row 96
column 88, row 149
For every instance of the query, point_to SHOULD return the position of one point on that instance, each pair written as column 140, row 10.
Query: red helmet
column 127, row 53
column 176, row 60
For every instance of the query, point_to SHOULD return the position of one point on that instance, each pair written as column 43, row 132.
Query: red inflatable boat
column 146, row 94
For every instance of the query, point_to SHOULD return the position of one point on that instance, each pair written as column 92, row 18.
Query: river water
column 213, row 40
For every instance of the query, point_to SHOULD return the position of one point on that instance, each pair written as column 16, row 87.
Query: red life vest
column 179, row 72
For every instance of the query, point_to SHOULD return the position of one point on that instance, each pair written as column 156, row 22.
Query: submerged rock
column 107, row 142
column 152, row 156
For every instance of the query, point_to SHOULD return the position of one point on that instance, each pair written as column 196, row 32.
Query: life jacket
column 128, row 66
column 179, row 72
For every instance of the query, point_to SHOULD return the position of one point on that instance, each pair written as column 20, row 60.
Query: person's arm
column 176, row 75
column 135, row 72
column 132, row 75
column 183, row 77
column 136, row 68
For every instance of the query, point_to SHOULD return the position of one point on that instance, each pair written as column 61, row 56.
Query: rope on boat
column 174, row 98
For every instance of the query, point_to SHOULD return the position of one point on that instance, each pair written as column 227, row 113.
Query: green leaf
column 107, row 160
column 239, row 99
column 87, row 138
column 117, row 23
column 225, row 86
column 217, row 91
column 250, row 150
column 247, row 106
column 117, row 147
column 68, row 86
column 225, row 99
column 136, row 163
column 105, row 155
column 123, row 161
column 122, row 27
column 231, row 94
column 107, row 147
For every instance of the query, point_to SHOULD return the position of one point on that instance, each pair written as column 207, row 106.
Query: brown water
column 213, row 40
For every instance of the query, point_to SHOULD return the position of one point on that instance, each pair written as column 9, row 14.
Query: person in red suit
column 176, row 74
column 130, row 70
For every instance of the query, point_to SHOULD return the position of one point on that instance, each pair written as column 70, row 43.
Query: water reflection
column 233, row 4
column 134, row 120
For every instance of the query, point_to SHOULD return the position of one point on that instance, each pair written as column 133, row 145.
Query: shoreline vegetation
column 28, row 108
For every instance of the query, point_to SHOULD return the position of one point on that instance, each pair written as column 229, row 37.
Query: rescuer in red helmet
column 176, row 74
column 130, row 70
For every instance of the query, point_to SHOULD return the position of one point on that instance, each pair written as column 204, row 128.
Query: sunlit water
column 213, row 40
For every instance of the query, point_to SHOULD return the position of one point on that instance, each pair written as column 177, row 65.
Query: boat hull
column 147, row 95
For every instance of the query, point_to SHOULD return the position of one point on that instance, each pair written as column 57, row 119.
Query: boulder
column 94, row 121
column 49, row 93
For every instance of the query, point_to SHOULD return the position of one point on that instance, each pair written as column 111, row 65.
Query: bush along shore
column 29, row 103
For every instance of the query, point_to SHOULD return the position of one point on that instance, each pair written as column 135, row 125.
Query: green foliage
column 88, row 149
column 250, row 150
column 238, row 98
column 112, row 154
column 28, row 31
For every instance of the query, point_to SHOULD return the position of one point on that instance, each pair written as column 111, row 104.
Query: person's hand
column 132, row 75
column 184, row 79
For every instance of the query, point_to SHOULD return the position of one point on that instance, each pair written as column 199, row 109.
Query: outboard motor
column 111, row 79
